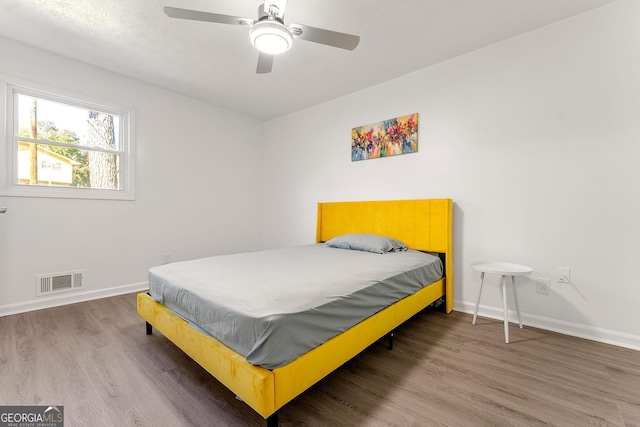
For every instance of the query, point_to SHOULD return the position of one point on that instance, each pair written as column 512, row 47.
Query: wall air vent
column 59, row 282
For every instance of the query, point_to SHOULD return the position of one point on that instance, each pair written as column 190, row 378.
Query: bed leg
column 272, row 421
column 391, row 340
column 149, row 328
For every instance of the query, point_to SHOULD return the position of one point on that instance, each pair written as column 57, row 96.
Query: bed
column 423, row 225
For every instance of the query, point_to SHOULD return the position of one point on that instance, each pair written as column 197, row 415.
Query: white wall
column 536, row 139
column 197, row 192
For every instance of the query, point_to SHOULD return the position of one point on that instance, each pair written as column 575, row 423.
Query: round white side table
column 504, row 269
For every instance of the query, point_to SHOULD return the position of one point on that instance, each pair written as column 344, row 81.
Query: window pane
column 66, row 123
column 51, row 165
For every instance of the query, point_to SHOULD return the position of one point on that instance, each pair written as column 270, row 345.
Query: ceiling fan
column 268, row 33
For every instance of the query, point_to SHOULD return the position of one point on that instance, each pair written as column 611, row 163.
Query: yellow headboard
column 425, row 225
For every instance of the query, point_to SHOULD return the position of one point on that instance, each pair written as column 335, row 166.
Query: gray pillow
column 367, row 242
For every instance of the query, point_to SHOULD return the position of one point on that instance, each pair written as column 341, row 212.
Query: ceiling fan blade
column 328, row 37
column 196, row 15
column 265, row 63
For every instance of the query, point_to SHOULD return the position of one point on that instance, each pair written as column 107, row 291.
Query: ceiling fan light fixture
column 271, row 37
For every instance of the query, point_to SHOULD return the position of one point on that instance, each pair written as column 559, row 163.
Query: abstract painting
column 386, row 138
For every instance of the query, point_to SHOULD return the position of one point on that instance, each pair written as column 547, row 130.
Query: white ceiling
column 216, row 63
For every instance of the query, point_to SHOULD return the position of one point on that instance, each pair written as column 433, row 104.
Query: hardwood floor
column 95, row 359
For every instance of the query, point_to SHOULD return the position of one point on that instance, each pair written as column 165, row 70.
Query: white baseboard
column 69, row 298
column 606, row 336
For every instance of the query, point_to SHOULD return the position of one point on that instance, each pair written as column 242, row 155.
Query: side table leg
column 515, row 296
column 475, row 313
column 506, row 312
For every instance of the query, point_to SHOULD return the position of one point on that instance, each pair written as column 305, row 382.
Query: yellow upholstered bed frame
column 424, row 225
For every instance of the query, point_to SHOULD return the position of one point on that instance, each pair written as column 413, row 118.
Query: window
column 62, row 146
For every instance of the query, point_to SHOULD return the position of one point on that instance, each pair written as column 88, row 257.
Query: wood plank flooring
column 95, row 359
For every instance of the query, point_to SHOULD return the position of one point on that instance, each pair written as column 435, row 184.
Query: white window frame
column 9, row 185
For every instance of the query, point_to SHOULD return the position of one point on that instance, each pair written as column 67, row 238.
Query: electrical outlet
column 564, row 275
column 166, row 259
column 543, row 285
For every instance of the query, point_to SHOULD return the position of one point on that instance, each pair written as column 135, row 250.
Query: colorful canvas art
column 385, row 138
